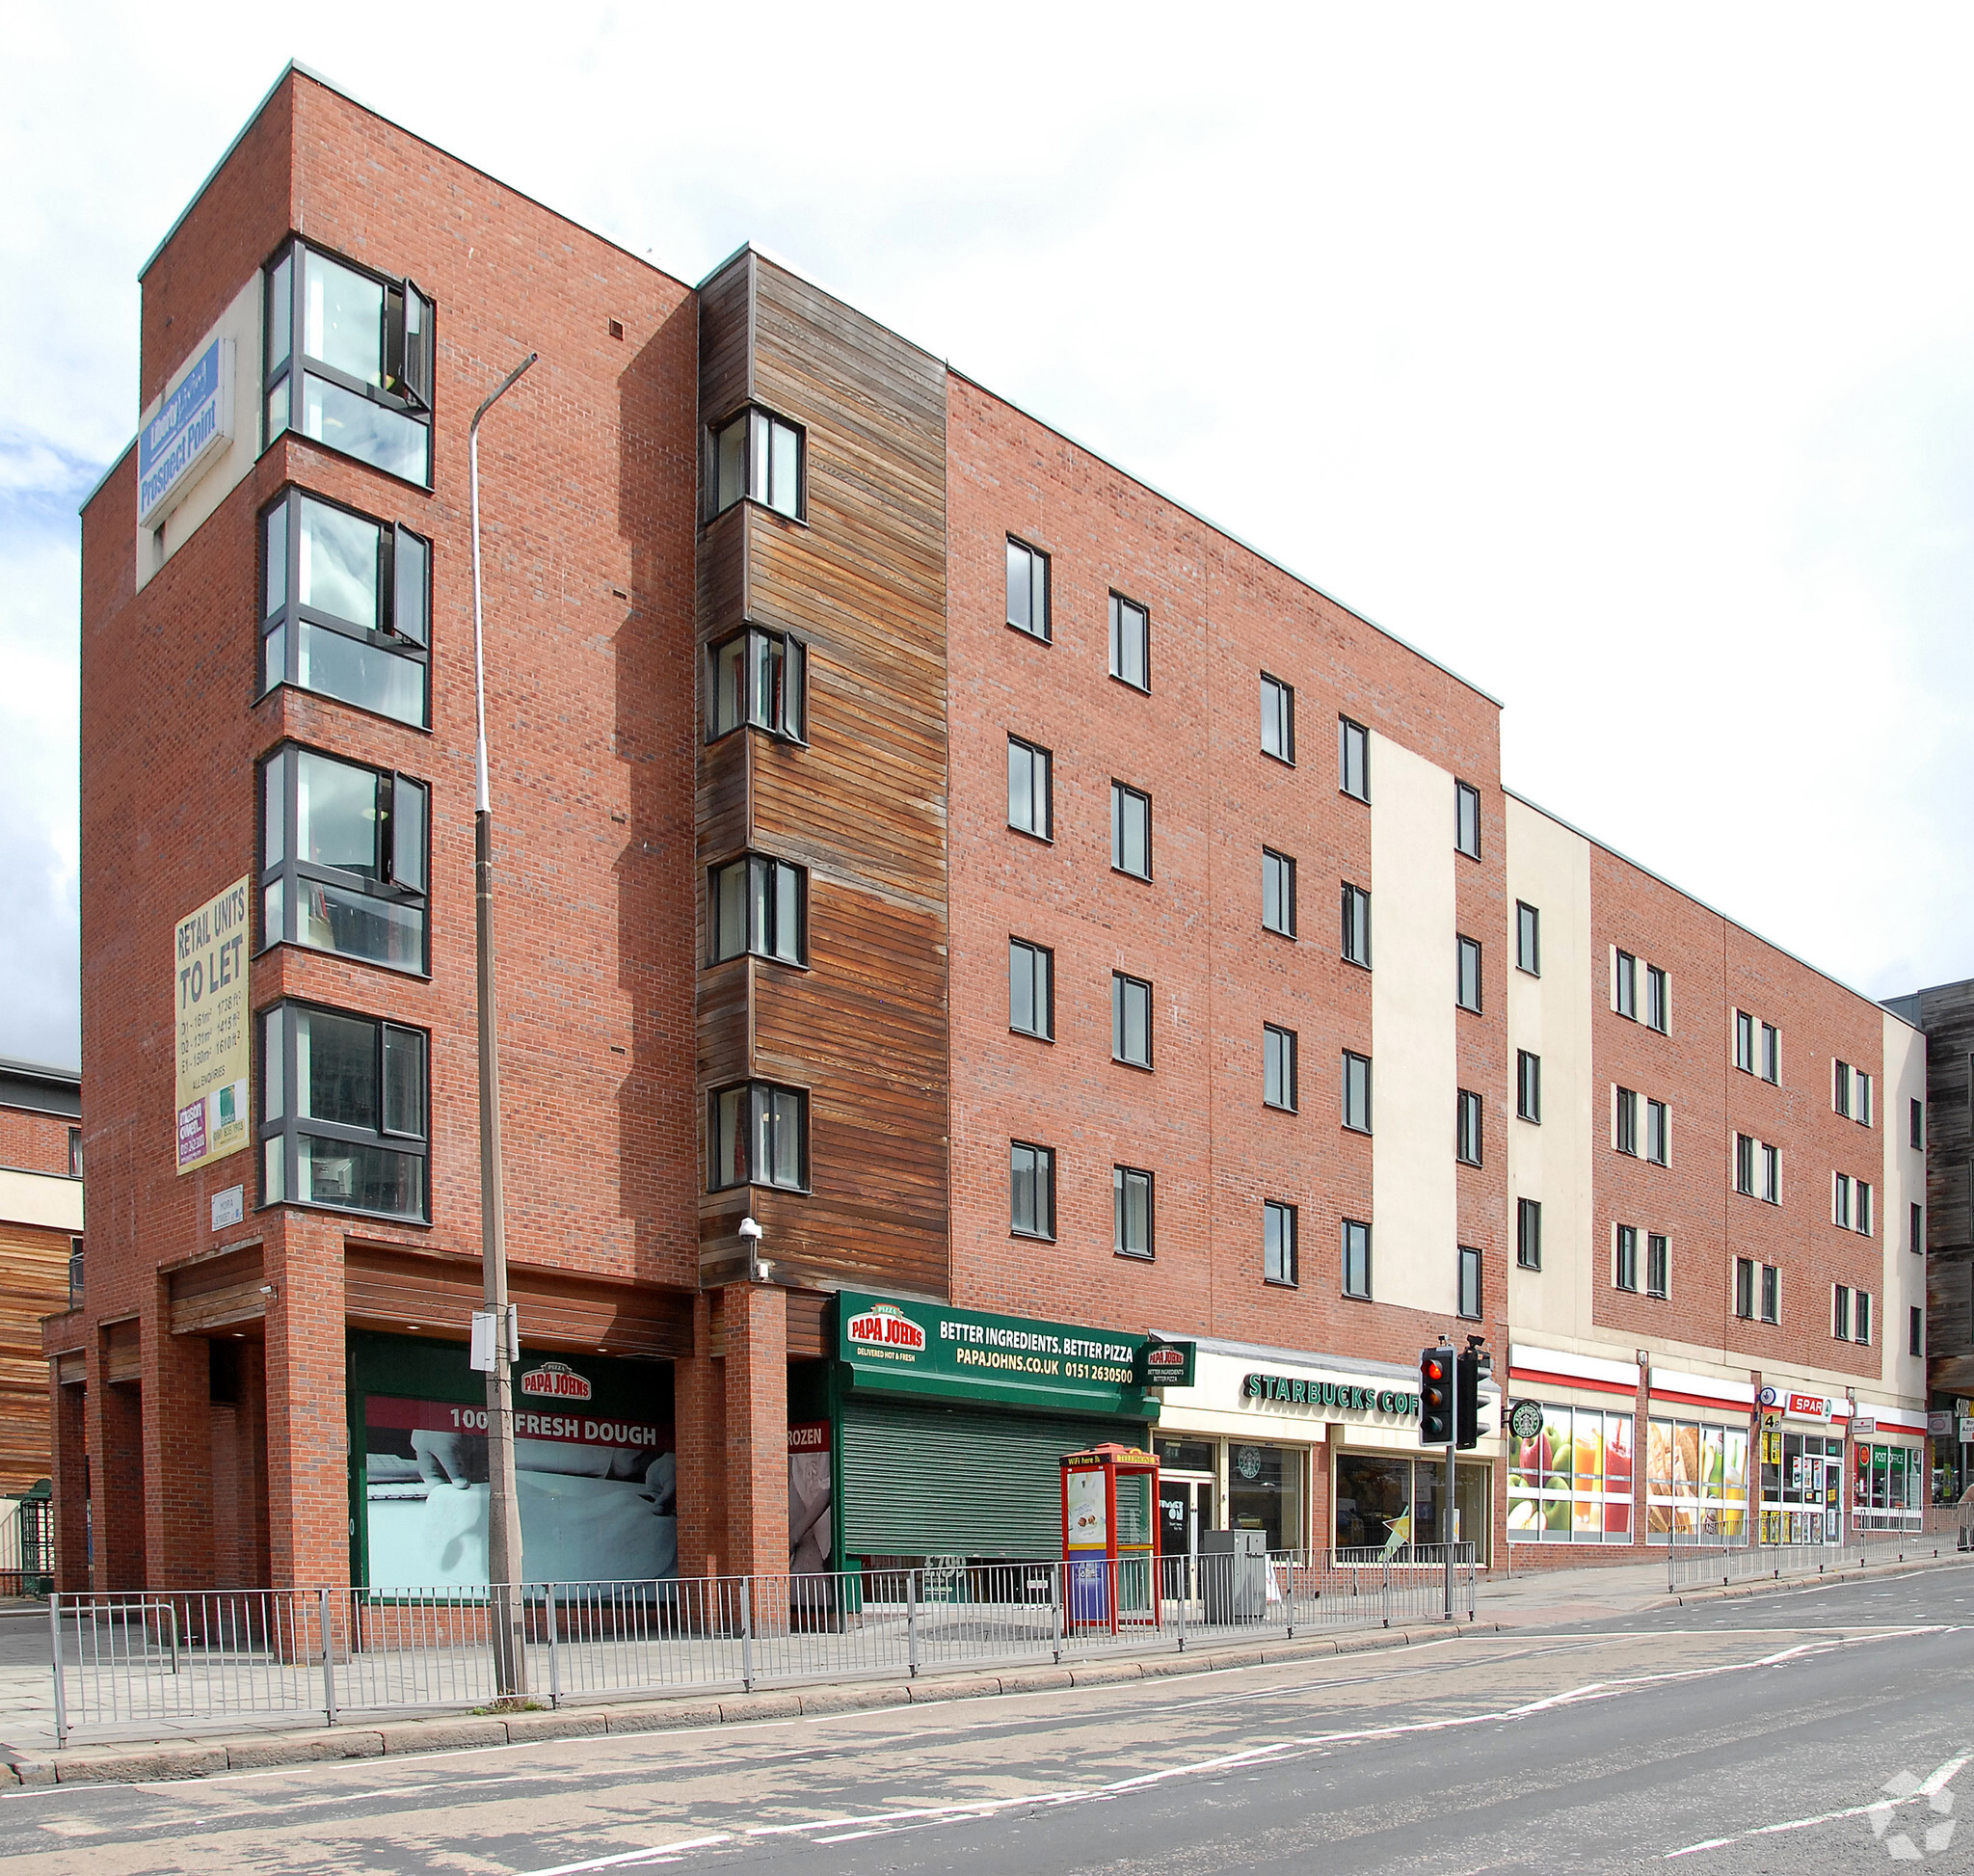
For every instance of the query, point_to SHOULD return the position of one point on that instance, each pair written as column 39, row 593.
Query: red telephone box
column 1111, row 1537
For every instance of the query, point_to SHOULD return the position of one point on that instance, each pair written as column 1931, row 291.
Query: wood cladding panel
column 725, row 360
column 34, row 1282
column 216, row 1293
column 122, row 1352
column 863, row 806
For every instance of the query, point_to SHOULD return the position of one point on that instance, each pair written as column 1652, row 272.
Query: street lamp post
column 503, row 1507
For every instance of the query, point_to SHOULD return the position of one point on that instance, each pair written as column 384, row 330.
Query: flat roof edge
column 102, row 481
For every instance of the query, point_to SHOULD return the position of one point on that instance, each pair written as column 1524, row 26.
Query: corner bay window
column 342, row 1111
column 758, row 679
column 343, row 857
column 757, row 1135
column 349, row 361
column 757, row 457
column 345, row 606
column 757, row 905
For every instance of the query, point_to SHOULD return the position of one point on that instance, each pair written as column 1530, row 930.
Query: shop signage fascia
column 1338, row 1397
column 1167, row 1364
column 194, row 424
column 1966, row 1430
column 897, row 1345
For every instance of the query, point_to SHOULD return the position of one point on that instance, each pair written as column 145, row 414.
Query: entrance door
column 1186, row 1509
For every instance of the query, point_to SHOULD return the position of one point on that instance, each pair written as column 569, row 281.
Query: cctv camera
column 749, row 1228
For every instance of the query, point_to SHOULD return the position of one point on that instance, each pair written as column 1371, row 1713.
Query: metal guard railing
column 1694, row 1563
column 201, row 1659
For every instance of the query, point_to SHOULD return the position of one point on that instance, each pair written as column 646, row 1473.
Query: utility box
column 1234, row 1575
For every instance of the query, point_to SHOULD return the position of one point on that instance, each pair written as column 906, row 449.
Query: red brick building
column 860, row 748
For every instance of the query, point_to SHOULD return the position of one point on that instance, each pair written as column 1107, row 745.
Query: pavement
column 1814, row 1727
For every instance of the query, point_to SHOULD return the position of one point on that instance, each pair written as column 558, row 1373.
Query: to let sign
column 209, row 986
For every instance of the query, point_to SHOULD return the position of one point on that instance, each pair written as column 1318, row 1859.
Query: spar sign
column 885, row 1326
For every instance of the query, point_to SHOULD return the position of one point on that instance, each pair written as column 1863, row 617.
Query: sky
column 1621, row 358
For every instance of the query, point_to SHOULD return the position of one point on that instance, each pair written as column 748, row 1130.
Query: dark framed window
column 1029, row 805
column 1840, row 1088
column 1915, row 1331
column 1626, row 1273
column 76, row 1289
column 1031, row 989
column 1860, row 1317
column 346, row 607
column 1772, row 1293
column 1277, row 719
column 1353, row 758
column 758, row 906
column 75, row 1154
column 1467, row 820
column 1917, row 1118
column 1529, row 1233
column 1862, row 1192
column 1625, row 985
column 1130, row 643
column 758, row 456
column 1131, row 1207
column 1743, row 1041
column 1840, row 1201
column 757, row 1135
column 1467, row 1127
column 758, row 679
column 1627, row 1140
column 1743, row 1288
column 1658, row 1132
column 1356, row 1092
column 1744, row 1163
column 1915, row 1228
column 1470, row 1283
column 1860, row 1103
column 1130, row 831
column 1528, row 938
column 1131, row 1021
column 1528, row 1086
column 350, row 361
column 343, row 857
column 1772, row 1174
column 1772, row 1054
column 1467, row 952
column 1657, row 1002
column 1278, row 1067
column 1840, row 1312
column 1356, row 1260
column 1355, row 942
column 1277, row 892
column 1279, row 1263
column 1658, row 1264
column 1031, row 1189
column 1028, row 589
column 342, row 1111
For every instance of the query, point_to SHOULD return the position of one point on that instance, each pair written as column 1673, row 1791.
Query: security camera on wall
column 749, row 1228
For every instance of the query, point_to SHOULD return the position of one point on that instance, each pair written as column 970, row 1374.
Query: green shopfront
column 947, row 1426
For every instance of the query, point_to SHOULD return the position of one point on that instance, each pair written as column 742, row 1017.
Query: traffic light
column 1467, row 1399
column 1435, row 1396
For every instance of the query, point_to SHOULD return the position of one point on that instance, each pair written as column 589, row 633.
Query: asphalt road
column 1754, row 1734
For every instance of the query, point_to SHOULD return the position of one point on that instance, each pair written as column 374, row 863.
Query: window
column 1529, row 1234
column 1917, row 1118
column 1860, row 1317
column 1131, row 1020
column 1468, row 960
column 1030, row 809
column 1861, row 1191
column 1278, row 1067
column 1627, row 1266
column 1772, row 1174
column 1356, row 939
column 1470, row 1283
column 1031, row 1189
column 1840, row 1088
column 757, row 457
column 1130, row 643
column 1130, row 1209
column 1743, row 1041
column 76, row 1289
column 1916, row 1230
column 1696, row 1481
column 349, row 361
column 1772, row 1293
column 1840, row 1201
column 1625, row 985
column 1528, row 939
column 759, row 906
column 1356, row 1259
column 1744, row 1163
column 1658, row 1263
column 1551, row 1500
column 345, row 607
column 343, row 857
column 758, row 1136
column 1743, row 1288
column 342, row 1111
column 1915, row 1331
column 75, row 1152
column 1278, row 892
column 1467, row 1127
column 1353, row 758
column 1278, row 1243
column 1356, row 1092
column 1861, row 1097
column 758, row 679
column 1277, row 718
column 1031, row 989
column 1840, row 1312
column 1627, row 1122
column 1655, row 999
column 1028, row 589
column 1467, row 820
column 1528, row 1086
column 1658, row 1132
column 1772, row 1054
column 1130, row 831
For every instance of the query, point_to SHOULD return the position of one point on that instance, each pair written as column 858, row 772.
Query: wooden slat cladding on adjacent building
column 863, row 806
column 216, row 1293
column 34, row 1282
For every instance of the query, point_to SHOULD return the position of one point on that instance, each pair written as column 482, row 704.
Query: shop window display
column 1378, row 1495
column 1884, row 1488
column 1572, row 1482
column 1696, row 1482
column 1265, row 1492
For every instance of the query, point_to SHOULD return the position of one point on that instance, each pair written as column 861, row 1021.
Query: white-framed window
column 1470, row 1282
column 1624, row 984
column 1625, row 1130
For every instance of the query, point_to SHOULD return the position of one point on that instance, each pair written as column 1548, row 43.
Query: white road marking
column 635, row 1856
column 1938, row 1783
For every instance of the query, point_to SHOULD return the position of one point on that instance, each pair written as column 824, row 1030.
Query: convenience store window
column 1572, row 1482
column 1695, row 1480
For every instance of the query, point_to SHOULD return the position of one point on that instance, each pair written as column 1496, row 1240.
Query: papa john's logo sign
column 555, row 1381
column 885, row 1326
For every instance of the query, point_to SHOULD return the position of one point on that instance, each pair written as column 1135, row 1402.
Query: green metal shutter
column 936, row 1481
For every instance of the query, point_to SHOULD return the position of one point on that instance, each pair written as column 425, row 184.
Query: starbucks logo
column 1247, row 1461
